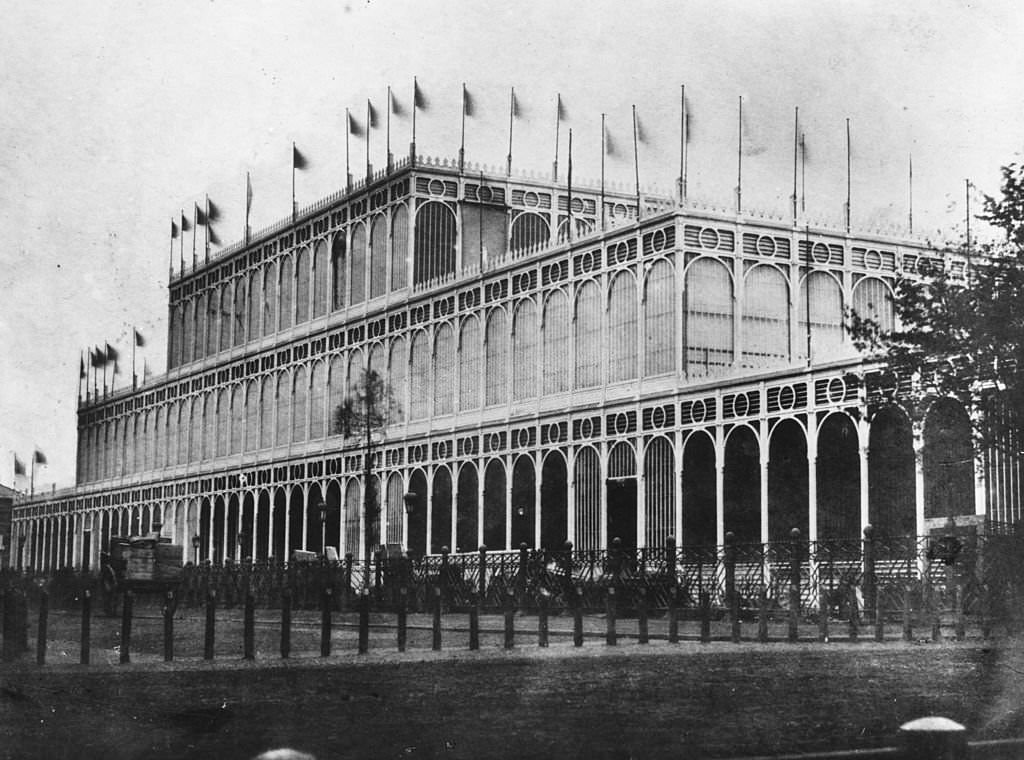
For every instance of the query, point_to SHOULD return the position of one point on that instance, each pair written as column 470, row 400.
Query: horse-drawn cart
column 142, row 565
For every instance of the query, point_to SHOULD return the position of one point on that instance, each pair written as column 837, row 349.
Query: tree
column 363, row 413
column 962, row 334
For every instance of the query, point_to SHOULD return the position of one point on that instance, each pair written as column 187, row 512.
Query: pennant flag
column 354, row 127
column 515, row 105
column 641, row 133
column 561, row 114
column 199, row 215
column 396, row 107
column 97, row 358
column 39, row 457
column 419, row 99
column 298, row 160
column 174, row 230
column 117, row 368
column 81, row 367
column 186, row 225
column 111, row 353
column 214, row 240
column 212, row 212
column 610, row 146
column 752, row 144
column 139, row 340
column 468, row 105
column 248, row 194
column 19, row 466
column 371, row 115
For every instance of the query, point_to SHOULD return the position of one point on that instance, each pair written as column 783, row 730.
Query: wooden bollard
column 435, row 639
column 510, row 620
column 249, row 628
column 705, row 617
column 823, row 615
column 762, row 614
column 211, row 622
column 168, row 615
column 610, row 637
column 286, row 624
column 325, row 623
column 126, row 627
column 958, row 612
column 542, row 621
column 364, row 621
column 908, row 625
column 86, row 627
column 854, row 614
column 474, row 625
column 403, row 598
column 879, row 619
column 44, row 614
column 673, row 615
column 643, row 629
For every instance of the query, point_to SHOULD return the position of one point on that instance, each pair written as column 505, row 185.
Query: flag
column 371, row 116
column 354, row 127
column 248, row 194
column 39, row 457
column 515, row 105
column 641, row 133
column 199, row 215
column 81, row 366
column 97, row 358
column 560, row 112
column 185, row 224
column 395, row 106
column 174, row 230
column 419, row 100
column 468, row 106
column 111, row 353
column 610, row 148
column 212, row 212
column 298, row 160
column 139, row 340
column 753, row 145
column 19, row 466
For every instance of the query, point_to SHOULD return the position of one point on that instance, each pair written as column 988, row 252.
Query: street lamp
column 323, row 527
column 196, row 542
column 410, row 502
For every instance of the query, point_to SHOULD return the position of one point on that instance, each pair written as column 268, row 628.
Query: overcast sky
column 116, row 115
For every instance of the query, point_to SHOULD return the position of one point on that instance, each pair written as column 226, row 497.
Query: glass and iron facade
column 662, row 370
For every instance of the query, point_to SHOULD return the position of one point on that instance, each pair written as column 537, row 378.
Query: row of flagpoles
column 102, row 357
column 38, row 458
column 205, row 215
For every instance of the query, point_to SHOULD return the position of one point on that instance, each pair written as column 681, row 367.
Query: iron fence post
column 705, row 617
column 908, row 625
column 794, row 584
column 483, row 574
column 642, row 621
column 542, row 620
column 286, row 624
column 364, row 621
column 44, row 613
column 577, row 617
column 168, row 615
column 126, row 627
column 611, row 638
column 510, row 615
column 762, row 613
column 869, row 585
column 325, row 623
column 474, row 625
column 521, row 575
column 673, row 615
column 211, row 617
column 436, row 628
column 86, row 627
column 347, row 598
column 822, row 613
column 403, row 594
column 729, row 560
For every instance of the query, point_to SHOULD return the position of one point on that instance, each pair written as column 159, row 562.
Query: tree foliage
column 365, row 409
column 960, row 334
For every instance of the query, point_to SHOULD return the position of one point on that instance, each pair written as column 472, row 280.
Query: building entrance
column 622, row 511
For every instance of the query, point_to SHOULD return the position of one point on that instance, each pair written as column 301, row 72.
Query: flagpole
column 967, row 197
column 170, row 258
column 181, row 244
column 462, row 141
column 847, row 176
column 248, row 203
column 796, row 155
column 910, row 190
column 369, row 124
column 558, row 122
column 511, row 119
column 803, row 173
column 206, row 240
column 807, row 289
column 387, row 132
column 603, row 149
column 195, row 224
column 134, row 341
column 81, row 375
column 348, row 170
column 636, row 163
column 681, row 190
column 295, row 209
column 739, row 161
column 569, row 185
column 412, row 145
column 32, row 478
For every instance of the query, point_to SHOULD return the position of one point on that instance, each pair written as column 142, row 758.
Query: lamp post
column 323, row 527
column 196, row 542
column 409, row 499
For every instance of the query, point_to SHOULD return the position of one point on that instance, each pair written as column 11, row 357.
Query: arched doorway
column 742, row 507
column 524, row 502
column 699, row 499
column 948, row 461
column 837, row 472
column 467, row 509
column 787, row 481
column 554, row 501
column 891, row 474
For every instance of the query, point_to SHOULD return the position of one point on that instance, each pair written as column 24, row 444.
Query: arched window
column 529, row 232
column 397, row 373
column 194, row 451
column 659, row 491
column 335, row 390
column 252, row 416
column 434, row 254
column 209, row 426
column 270, row 299
column 226, row 311
column 358, row 293
column 399, row 248
column 821, row 300
column 419, row 376
column 240, row 312
column 469, row 364
column 378, row 256
column 320, row 278
column 496, row 357
column 302, row 286
column 255, row 305
column 444, row 370
column 708, row 315
column 200, row 338
column 622, row 328
column 316, row 401
column 171, row 452
column 557, row 353
column 587, row 326
column 223, row 422
column 267, row 392
column 283, row 394
column 212, row 322
column 765, row 321
column 300, row 398
column 872, row 299
column 587, row 477
column 659, row 319
column 524, row 351
column 188, row 337
column 236, row 419
column 339, row 270
column 286, row 309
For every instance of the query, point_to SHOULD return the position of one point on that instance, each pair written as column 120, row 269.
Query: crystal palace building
column 563, row 363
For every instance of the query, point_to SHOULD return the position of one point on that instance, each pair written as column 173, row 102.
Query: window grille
column 765, row 322
column 399, row 247
column 378, row 255
column 222, row 422
column 321, row 271
column 267, row 424
column 622, row 328
column 659, row 316
column 200, row 336
column 530, row 231
column 821, row 298
column 335, row 389
column 300, row 404
column 419, row 376
column 353, row 513
column 434, row 247
column 339, row 270
column 469, row 364
column 444, row 370
column 285, row 289
column 358, row 277
column 708, row 313
column 173, row 425
column 524, row 351
column 587, row 481
column 659, row 491
column 316, row 401
column 496, row 343
column 872, row 299
column 395, row 509
column 212, row 322
column 240, row 312
column 254, row 297
column 397, row 372
column 587, row 324
column 302, row 286
column 284, row 403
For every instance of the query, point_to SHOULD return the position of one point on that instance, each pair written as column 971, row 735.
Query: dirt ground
column 686, row 700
